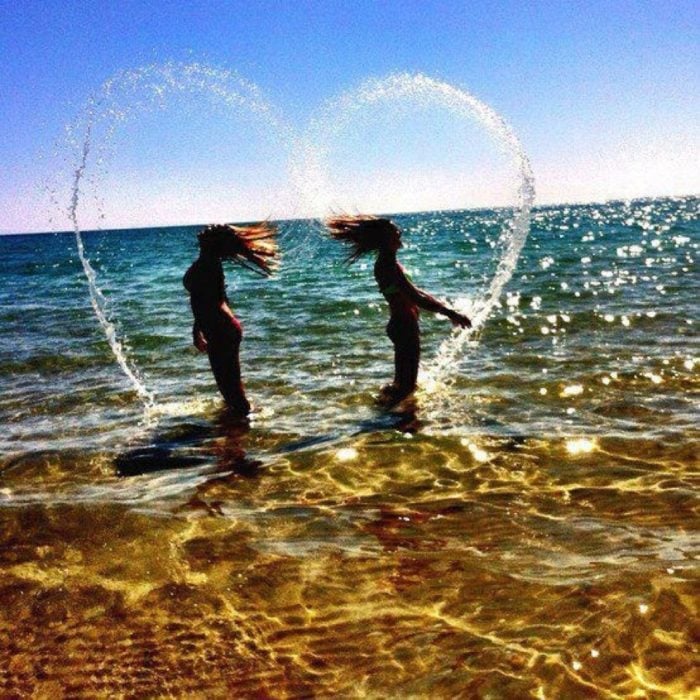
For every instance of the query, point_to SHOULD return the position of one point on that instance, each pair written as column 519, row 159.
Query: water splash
column 311, row 170
column 90, row 138
column 97, row 299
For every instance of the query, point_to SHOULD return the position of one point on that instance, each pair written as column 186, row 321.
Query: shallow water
column 532, row 534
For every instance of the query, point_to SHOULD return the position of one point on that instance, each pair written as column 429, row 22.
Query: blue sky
column 603, row 95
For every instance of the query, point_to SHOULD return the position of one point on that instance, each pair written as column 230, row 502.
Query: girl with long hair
column 366, row 234
column 216, row 330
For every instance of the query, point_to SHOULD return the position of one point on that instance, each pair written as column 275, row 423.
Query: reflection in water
column 229, row 450
column 190, row 445
column 402, row 417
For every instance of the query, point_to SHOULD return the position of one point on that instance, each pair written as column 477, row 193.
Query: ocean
column 527, row 527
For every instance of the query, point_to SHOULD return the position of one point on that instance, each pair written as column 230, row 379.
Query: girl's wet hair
column 255, row 244
column 363, row 233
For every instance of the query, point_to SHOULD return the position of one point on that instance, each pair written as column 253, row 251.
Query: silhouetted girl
column 216, row 330
column 365, row 234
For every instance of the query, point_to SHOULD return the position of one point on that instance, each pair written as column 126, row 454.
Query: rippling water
column 534, row 535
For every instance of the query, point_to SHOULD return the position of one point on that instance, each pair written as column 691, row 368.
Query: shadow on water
column 402, row 416
column 222, row 442
column 191, row 445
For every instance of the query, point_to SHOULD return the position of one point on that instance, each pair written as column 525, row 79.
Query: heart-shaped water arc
column 121, row 99
column 132, row 92
column 312, row 168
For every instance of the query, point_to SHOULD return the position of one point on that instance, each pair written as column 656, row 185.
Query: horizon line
column 141, row 227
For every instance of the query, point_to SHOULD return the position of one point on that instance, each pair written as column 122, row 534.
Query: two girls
column 218, row 332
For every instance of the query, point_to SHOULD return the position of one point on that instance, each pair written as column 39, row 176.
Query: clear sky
column 604, row 95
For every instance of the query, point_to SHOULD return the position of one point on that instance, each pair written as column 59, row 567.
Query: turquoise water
column 540, row 512
column 599, row 290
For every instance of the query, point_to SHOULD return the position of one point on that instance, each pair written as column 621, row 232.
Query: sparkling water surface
column 528, row 530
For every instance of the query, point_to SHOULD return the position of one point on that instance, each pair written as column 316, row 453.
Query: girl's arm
column 428, row 302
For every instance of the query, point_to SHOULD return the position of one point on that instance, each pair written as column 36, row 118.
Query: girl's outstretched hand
column 460, row 320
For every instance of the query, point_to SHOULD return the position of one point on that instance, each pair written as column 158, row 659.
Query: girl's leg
column 406, row 340
column 407, row 359
column 226, row 367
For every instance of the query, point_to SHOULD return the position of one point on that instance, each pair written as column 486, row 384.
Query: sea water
column 531, row 530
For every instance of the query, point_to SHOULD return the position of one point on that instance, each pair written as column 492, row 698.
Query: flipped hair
column 363, row 233
column 255, row 244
